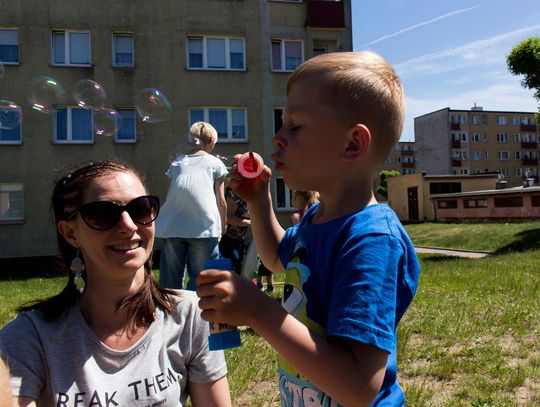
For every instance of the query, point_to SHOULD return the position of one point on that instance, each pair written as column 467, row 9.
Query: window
column 503, row 155
column 484, row 119
column 517, row 155
column 283, row 195
column 519, row 172
column 123, row 49
column 287, row 55
column 216, row 53
column 71, row 48
column 11, row 203
column 462, row 137
column 476, row 137
column 502, row 137
column 462, row 119
column 517, row 138
column 278, row 119
column 501, row 120
column 504, row 171
column 73, row 125
column 444, row 187
column 509, row 202
column 475, row 119
column 127, row 133
column 486, row 155
column 535, row 200
column 9, row 46
column 447, row 204
column 515, row 120
column 485, row 137
column 10, row 117
column 476, row 203
column 230, row 122
column 477, row 155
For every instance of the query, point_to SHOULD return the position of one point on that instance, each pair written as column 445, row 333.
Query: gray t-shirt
column 62, row 363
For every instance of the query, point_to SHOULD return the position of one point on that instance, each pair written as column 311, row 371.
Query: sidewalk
column 451, row 252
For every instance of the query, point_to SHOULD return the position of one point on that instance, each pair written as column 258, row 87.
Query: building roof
column 505, row 191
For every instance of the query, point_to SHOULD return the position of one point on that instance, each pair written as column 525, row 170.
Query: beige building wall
column 160, row 30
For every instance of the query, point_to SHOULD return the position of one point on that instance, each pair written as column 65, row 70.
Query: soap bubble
column 89, row 94
column 46, row 92
column 10, row 114
column 152, row 105
column 107, row 122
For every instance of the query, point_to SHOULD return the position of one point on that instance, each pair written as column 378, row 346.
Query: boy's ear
column 67, row 230
column 359, row 139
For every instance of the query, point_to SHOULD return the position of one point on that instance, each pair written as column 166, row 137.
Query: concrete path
column 450, row 252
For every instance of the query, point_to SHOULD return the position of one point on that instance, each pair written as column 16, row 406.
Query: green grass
column 470, row 338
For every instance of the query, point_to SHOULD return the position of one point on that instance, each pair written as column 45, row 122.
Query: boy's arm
column 351, row 372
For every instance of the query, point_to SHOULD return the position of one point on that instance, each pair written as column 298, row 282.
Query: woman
column 112, row 336
column 194, row 215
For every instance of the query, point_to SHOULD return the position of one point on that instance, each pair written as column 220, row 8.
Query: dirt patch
column 266, row 391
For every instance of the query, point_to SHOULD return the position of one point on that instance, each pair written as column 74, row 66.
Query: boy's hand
column 226, row 297
column 250, row 189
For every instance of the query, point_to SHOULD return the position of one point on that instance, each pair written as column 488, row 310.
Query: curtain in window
column 123, row 50
column 79, row 48
column 127, row 132
column 238, row 124
column 81, row 124
column 218, row 119
column 196, row 115
column 276, row 55
column 59, row 48
column 237, row 54
column 9, row 46
column 195, row 47
column 293, row 55
column 215, row 52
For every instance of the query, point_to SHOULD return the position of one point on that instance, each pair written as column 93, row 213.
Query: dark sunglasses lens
column 144, row 209
column 101, row 215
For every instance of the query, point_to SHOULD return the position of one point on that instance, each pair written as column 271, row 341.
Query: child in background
column 351, row 270
column 262, row 271
column 302, row 200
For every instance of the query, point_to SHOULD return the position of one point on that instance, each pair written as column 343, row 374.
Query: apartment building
column 402, row 158
column 81, row 80
column 477, row 141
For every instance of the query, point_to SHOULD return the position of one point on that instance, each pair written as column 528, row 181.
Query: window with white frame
column 519, row 172
column 73, row 125
column 398, row 159
column 128, row 132
column 71, row 48
column 485, row 137
column 220, row 53
column 476, row 137
column 475, row 119
column 10, row 132
column 230, row 122
column 502, row 137
column 486, row 155
column 462, row 119
column 517, row 155
column 484, row 119
column 287, row 54
column 123, row 49
column 477, row 155
column 9, row 46
column 11, row 203
column 278, row 119
column 515, row 120
column 501, row 120
column 463, row 137
column 517, row 138
column 505, row 171
column 503, row 155
column 283, row 198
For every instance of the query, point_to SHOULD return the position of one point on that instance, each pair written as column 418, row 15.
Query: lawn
column 470, row 338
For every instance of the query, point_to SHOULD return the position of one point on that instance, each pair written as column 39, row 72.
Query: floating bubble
column 152, row 105
column 46, row 92
column 89, row 94
column 107, row 122
column 10, row 115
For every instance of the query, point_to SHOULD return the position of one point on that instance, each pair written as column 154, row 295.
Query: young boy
column 351, row 268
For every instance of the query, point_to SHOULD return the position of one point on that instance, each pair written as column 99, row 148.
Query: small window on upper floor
column 475, row 119
column 287, row 54
column 128, row 132
column 501, row 120
column 515, row 120
column 11, row 203
column 70, row 48
column 216, row 53
column 73, row 125
column 123, row 50
column 10, row 123
column 229, row 122
column 9, row 46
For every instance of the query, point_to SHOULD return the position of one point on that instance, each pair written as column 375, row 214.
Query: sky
column 449, row 53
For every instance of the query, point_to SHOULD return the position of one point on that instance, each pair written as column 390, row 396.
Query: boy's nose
column 278, row 141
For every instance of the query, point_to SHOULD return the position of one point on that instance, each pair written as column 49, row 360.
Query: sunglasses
column 102, row 215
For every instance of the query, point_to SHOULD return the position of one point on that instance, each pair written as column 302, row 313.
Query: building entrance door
column 412, row 197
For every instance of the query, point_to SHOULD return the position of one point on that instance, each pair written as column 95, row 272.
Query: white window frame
column 227, row 51
column 134, row 139
column 19, row 127
column 462, row 119
column 517, row 155
column 501, row 121
column 502, row 138
column 486, row 155
column 69, row 129
column 517, row 138
column 115, row 36
column 4, row 62
column 503, row 155
column 477, row 155
column 9, row 188
column 519, row 172
column 476, row 137
column 229, row 138
column 283, row 55
column 485, row 138
column 515, row 120
column 475, row 119
column 67, row 55
column 288, row 193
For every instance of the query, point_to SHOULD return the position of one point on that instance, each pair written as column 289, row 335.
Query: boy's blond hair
column 309, row 197
column 203, row 133
column 363, row 88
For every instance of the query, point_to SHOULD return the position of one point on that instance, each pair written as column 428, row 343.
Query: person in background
column 302, row 201
column 262, row 271
column 112, row 336
column 194, row 215
column 233, row 243
column 351, row 270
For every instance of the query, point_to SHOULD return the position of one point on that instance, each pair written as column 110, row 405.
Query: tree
column 382, row 189
column 524, row 59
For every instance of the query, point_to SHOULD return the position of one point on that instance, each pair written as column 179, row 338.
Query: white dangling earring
column 77, row 267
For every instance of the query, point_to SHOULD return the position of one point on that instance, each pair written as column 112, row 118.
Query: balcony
column 455, row 126
column 528, row 144
column 456, row 163
column 529, row 128
column 456, row 144
column 407, row 152
column 325, row 14
column 530, row 161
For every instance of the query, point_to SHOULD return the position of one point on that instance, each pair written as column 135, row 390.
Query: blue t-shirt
column 352, row 277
